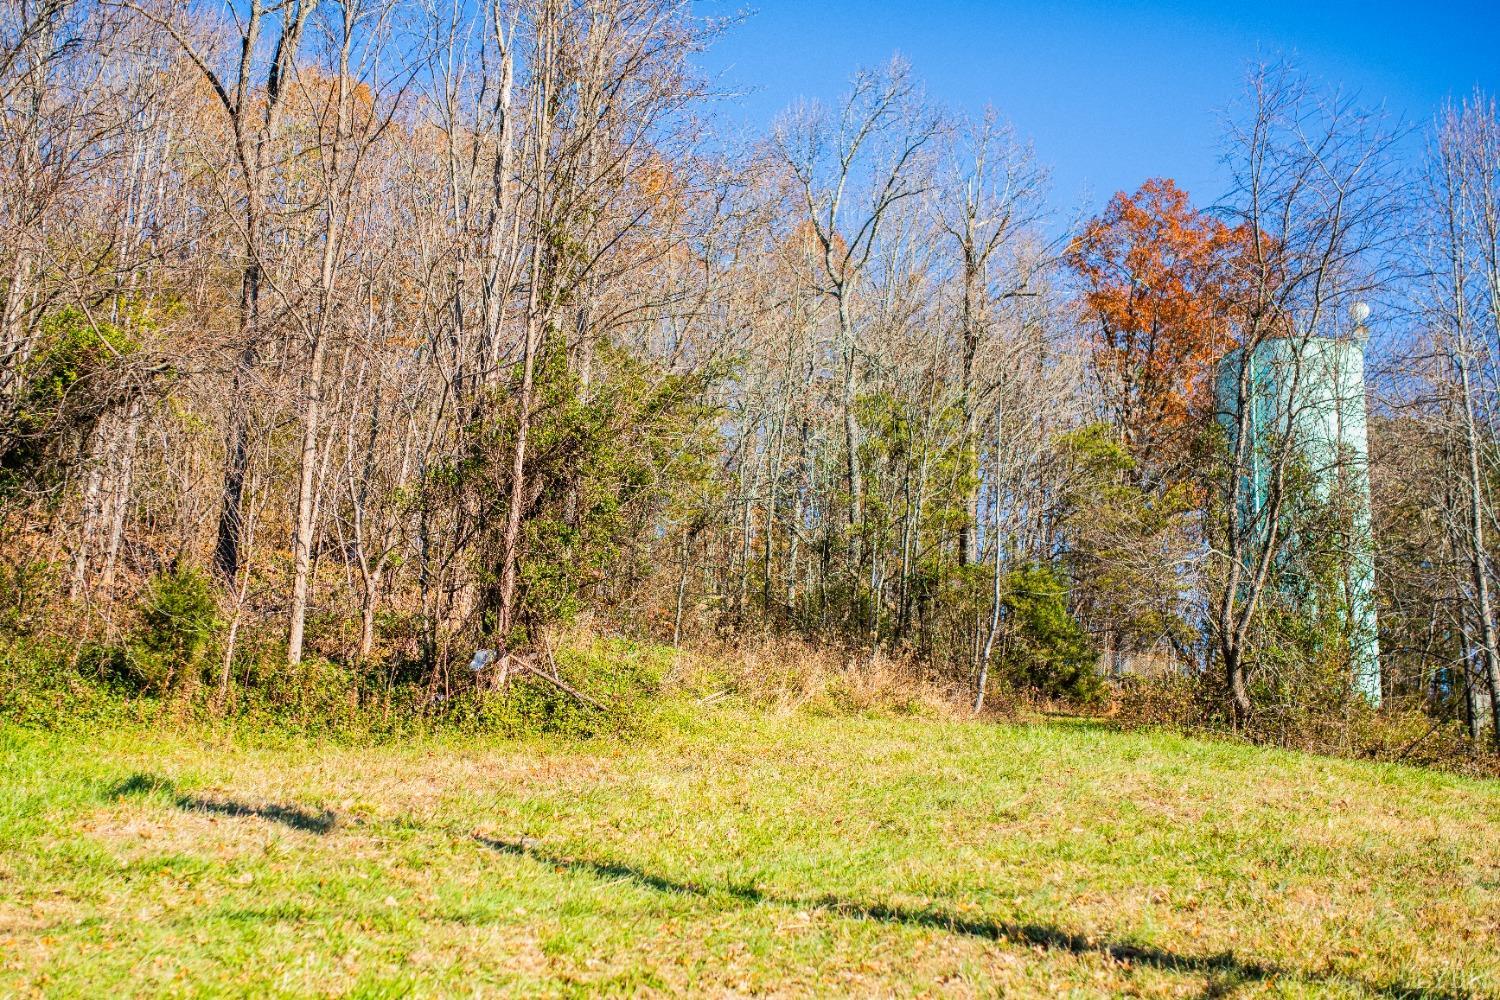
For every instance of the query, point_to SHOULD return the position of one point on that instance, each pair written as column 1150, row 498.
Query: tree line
column 372, row 333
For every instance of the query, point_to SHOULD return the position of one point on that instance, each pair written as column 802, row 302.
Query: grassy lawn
column 739, row 854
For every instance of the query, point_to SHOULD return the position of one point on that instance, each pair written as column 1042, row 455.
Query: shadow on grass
column 142, row 784
column 1224, row 970
column 296, row 817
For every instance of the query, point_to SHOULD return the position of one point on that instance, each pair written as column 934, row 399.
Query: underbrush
column 1345, row 727
column 46, row 683
column 49, row 683
column 630, row 687
column 167, row 672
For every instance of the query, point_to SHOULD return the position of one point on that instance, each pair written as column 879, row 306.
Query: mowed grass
column 739, row 854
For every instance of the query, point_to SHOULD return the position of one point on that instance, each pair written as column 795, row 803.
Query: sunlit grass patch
column 740, row 853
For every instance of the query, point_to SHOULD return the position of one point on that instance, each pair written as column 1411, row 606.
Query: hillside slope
column 740, row 854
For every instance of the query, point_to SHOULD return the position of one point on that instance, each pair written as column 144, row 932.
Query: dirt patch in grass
column 134, row 831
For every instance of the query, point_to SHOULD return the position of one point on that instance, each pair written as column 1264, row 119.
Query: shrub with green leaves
column 1126, row 541
column 27, row 590
column 603, row 465
column 68, row 383
column 1046, row 650
column 179, row 619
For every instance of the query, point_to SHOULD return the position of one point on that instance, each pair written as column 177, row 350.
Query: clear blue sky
column 1110, row 93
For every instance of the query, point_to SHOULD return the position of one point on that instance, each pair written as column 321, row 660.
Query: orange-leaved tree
column 1158, row 279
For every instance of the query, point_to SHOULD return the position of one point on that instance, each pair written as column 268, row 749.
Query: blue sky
column 1110, row 93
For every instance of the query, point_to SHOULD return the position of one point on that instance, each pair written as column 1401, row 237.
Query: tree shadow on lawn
column 1224, row 970
column 321, row 821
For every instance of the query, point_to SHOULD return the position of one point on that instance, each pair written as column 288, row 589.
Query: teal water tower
column 1312, row 389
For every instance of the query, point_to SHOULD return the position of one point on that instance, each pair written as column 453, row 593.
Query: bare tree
column 852, row 168
column 351, row 99
column 990, row 203
column 1464, row 206
column 1316, row 189
column 251, row 94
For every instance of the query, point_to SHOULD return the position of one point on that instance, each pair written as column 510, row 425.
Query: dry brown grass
column 783, row 674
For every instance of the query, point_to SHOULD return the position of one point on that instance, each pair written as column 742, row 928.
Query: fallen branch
column 515, row 662
column 523, row 664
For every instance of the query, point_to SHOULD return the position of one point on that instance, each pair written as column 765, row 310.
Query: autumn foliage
column 1158, row 278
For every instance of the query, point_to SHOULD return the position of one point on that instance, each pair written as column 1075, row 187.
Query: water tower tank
column 1313, row 388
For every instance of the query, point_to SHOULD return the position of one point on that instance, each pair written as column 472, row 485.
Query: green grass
column 737, row 853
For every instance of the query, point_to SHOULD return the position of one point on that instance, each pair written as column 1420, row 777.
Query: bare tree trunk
column 516, row 504
column 226, row 558
column 682, row 579
column 93, row 511
column 849, row 393
column 124, row 478
column 367, row 605
column 996, row 577
column 303, row 538
column 1475, row 550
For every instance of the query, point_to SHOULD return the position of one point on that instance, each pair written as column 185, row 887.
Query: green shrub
column 49, row 684
column 1046, row 650
column 67, row 384
column 602, row 464
column 315, row 694
column 179, row 619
